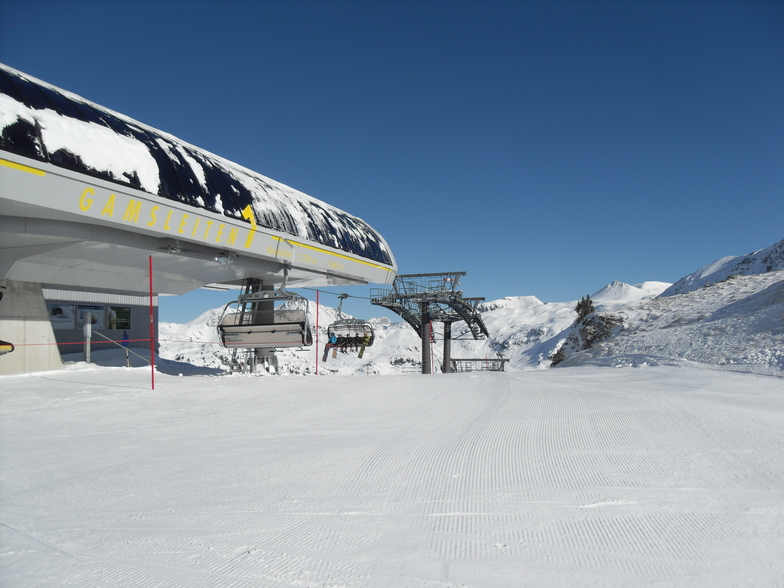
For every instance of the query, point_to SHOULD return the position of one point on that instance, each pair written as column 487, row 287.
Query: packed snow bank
column 592, row 477
column 137, row 358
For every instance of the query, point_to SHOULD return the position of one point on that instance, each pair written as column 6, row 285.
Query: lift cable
column 338, row 295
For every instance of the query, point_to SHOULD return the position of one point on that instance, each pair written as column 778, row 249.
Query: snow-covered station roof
column 87, row 194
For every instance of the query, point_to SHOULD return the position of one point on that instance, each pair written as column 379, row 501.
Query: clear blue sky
column 545, row 148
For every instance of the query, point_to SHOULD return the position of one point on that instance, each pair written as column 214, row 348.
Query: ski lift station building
column 90, row 199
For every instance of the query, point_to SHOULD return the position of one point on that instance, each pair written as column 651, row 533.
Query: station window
column 30, row 94
column 23, row 138
column 170, row 186
column 234, row 197
column 192, row 190
column 7, row 88
column 88, row 113
column 215, row 182
column 60, row 103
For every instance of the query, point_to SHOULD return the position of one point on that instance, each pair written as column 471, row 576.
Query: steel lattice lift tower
column 423, row 298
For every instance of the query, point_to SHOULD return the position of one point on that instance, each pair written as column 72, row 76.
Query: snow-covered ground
column 668, row 473
column 655, row 476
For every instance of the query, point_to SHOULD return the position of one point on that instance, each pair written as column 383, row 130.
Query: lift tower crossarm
column 421, row 298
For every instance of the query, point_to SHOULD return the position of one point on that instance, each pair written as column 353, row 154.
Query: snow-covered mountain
column 735, row 321
column 618, row 294
column 759, row 262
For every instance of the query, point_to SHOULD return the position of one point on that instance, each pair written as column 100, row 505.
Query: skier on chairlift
column 364, row 342
column 332, row 342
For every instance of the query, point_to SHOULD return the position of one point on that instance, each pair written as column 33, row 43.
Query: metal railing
column 478, row 365
column 127, row 351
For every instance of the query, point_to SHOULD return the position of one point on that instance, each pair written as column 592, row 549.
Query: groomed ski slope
column 650, row 476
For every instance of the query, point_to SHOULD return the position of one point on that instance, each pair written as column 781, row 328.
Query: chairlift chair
column 245, row 326
column 350, row 327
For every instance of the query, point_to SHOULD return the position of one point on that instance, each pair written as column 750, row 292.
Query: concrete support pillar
column 423, row 308
column 447, row 347
column 24, row 321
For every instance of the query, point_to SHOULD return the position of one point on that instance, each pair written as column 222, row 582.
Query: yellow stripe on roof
column 24, row 168
column 332, row 253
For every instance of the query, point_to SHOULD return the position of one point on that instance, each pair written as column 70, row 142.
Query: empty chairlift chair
column 246, row 323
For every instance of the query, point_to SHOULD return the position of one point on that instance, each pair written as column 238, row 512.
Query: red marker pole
column 317, row 330
column 152, row 333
